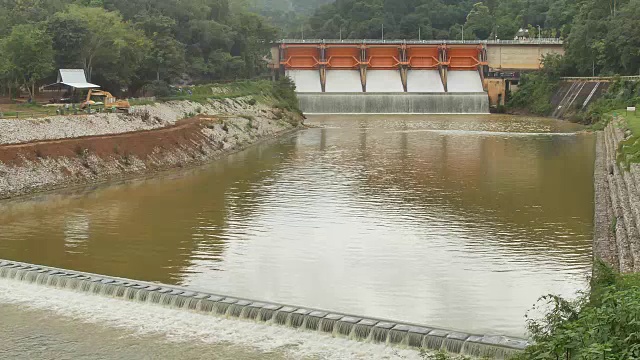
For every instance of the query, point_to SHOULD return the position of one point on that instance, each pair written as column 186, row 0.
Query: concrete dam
column 385, row 78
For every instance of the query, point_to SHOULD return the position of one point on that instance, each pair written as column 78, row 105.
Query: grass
column 629, row 150
column 25, row 110
column 260, row 90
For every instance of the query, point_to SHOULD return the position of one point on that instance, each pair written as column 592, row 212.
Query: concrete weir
column 394, row 103
column 356, row 328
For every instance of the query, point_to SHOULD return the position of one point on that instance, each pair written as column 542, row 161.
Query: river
column 459, row 222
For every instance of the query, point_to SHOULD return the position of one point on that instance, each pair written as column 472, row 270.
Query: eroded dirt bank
column 617, row 204
column 44, row 154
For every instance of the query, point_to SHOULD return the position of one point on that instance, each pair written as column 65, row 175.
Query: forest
column 601, row 37
column 125, row 44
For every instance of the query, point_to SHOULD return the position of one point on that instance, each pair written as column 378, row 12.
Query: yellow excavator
column 104, row 98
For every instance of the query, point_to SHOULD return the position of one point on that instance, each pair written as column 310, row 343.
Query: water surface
column 459, row 222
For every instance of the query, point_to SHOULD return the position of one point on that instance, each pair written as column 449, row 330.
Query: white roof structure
column 74, row 78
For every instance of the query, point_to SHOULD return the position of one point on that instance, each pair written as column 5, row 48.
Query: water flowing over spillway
column 385, row 93
column 335, row 324
column 424, row 81
column 347, row 81
column 384, row 81
column 306, row 81
column 395, row 103
column 464, row 81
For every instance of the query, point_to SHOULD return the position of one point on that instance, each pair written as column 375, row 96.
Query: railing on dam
column 542, row 41
column 600, row 78
column 335, row 324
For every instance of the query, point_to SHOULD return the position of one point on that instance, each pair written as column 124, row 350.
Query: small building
column 72, row 78
column 69, row 80
column 522, row 34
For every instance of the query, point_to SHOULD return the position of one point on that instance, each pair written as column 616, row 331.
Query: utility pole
column 419, row 34
column 340, row 33
column 539, row 32
column 462, row 32
column 302, row 31
column 382, row 32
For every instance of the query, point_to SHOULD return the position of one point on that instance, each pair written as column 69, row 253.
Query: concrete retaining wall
column 617, row 205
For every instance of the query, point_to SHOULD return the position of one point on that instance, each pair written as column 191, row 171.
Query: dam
column 357, row 77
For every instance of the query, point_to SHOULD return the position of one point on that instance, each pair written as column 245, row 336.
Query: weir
column 394, row 103
column 306, row 319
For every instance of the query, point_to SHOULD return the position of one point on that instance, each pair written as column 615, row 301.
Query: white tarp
column 74, row 78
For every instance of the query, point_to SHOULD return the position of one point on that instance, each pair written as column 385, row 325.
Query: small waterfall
column 424, row 81
column 307, row 81
column 343, row 81
column 339, row 325
column 395, row 103
column 466, row 81
column 384, row 81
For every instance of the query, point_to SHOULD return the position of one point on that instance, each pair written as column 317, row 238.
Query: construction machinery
column 105, row 99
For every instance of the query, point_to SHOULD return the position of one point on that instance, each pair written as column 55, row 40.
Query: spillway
column 384, row 81
column 424, row 81
column 385, row 92
column 304, row 319
column 395, row 103
column 347, row 81
column 464, row 81
column 307, row 81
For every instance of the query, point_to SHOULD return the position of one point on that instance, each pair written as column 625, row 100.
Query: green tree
column 479, row 21
column 107, row 40
column 28, row 55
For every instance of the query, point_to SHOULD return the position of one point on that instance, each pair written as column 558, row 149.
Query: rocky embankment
column 617, row 204
column 54, row 152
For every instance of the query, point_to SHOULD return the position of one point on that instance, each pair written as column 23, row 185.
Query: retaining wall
column 617, row 204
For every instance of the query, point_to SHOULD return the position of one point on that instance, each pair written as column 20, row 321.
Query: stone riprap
column 617, row 204
column 50, row 153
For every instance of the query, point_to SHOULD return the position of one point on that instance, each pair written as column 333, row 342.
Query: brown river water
column 459, row 222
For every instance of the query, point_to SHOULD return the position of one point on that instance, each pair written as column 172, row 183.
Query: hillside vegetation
column 125, row 44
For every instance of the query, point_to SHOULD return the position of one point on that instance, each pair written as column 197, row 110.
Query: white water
column 343, row 81
column 464, row 81
column 181, row 326
column 385, row 81
column 306, row 80
column 424, row 81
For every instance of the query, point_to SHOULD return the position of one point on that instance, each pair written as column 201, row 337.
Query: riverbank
column 55, row 152
column 617, row 201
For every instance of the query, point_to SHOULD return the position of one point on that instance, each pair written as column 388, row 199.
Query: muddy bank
column 50, row 153
column 617, row 204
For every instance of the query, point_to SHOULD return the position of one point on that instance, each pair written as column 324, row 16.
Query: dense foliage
column 124, row 44
column 602, row 37
column 441, row 19
column 601, row 325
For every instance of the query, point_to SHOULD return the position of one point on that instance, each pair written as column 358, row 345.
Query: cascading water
column 338, row 325
column 395, row 103
column 464, row 81
column 340, row 81
column 384, row 81
column 307, row 81
column 424, row 81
